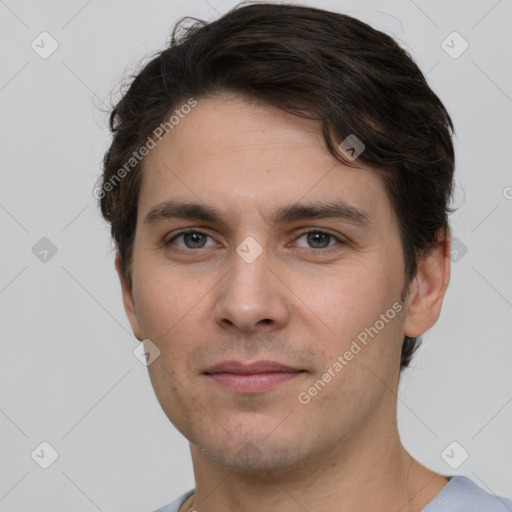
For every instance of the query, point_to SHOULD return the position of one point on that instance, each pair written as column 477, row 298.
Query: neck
column 368, row 471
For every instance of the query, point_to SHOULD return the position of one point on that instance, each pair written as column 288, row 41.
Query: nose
column 252, row 296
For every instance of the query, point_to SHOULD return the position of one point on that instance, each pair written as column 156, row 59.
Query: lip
column 257, row 377
column 249, row 368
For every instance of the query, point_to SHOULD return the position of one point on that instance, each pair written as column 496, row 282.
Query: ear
column 128, row 299
column 427, row 290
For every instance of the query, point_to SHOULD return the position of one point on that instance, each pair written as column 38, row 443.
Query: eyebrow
column 338, row 210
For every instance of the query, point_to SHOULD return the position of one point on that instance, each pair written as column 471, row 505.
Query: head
column 234, row 122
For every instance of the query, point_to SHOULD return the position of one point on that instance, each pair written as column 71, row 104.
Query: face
column 257, row 278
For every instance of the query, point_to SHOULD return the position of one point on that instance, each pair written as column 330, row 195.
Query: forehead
column 237, row 154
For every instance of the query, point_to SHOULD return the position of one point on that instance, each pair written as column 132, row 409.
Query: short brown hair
column 315, row 64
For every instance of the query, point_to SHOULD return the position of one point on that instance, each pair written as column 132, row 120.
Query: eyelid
column 340, row 239
column 320, row 230
column 185, row 231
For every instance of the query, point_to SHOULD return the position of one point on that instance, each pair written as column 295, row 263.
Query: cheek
column 349, row 300
column 349, row 308
column 165, row 302
column 167, row 312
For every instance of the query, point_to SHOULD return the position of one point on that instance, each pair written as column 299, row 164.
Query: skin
column 301, row 302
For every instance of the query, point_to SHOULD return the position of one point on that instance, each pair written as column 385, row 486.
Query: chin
column 256, row 457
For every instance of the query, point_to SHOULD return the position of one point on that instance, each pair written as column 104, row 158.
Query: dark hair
column 315, row 64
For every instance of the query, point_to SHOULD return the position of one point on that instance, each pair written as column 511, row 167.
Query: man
column 278, row 189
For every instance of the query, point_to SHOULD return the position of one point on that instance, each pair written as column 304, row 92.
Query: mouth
column 253, row 378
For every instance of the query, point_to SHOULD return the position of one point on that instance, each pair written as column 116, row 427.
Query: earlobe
column 128, row 299
column 427, row 291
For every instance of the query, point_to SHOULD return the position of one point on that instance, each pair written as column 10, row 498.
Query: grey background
column 68, row 375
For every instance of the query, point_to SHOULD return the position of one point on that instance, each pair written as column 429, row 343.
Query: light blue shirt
column 460, row 494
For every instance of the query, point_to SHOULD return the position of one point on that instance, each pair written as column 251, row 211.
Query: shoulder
column 175, row 505
column 462, row 495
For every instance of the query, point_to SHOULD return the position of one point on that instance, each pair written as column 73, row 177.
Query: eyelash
column 327, row 249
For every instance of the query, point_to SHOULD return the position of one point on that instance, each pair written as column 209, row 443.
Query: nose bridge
column 249, row 294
